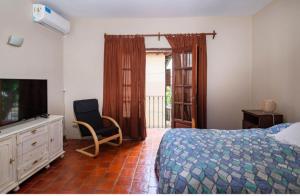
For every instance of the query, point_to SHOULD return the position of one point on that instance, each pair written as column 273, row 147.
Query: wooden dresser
column 27, row 147
column 260, row 119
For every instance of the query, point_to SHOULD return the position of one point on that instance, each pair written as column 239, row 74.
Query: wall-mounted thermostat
column 14, row 40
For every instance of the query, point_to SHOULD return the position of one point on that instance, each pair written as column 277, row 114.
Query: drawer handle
column 11, row 160
column 34, row 143
column 33, row 131
column 34, row 162
column 51, row 140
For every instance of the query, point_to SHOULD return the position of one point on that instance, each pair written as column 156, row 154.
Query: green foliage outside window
column 168, row 96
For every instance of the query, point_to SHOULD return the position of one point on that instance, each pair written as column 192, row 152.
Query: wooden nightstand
column 260, row 119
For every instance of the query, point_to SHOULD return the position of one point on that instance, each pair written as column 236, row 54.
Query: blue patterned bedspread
column 227, row 161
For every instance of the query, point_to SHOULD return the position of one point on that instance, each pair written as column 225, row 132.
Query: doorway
column 158, row 88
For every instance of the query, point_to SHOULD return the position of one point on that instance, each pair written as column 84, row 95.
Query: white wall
column 40, row 57
column 229, row 61
column 276, row 65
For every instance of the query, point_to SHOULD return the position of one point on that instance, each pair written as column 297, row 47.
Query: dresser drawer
column 30, row 140
column 35, row 160
column 42, row 150
column 31, row 134
column 33, row 143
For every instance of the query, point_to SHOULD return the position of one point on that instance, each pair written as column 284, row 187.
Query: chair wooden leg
column 116, row 144
column 83, row 150
column 86, row 153
column 97, row 142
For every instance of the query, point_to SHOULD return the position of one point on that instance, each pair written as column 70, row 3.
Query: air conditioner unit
column 46, row 16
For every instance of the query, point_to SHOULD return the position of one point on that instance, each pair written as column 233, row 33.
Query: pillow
column 278, row 128
column 289, row 135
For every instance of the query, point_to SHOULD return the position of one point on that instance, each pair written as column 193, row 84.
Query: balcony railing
column 157, row 114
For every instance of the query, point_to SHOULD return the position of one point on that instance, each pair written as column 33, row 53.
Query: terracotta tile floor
column 125, row 169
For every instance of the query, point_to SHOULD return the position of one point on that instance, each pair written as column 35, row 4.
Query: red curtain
column 196, row 44
column 124, row 83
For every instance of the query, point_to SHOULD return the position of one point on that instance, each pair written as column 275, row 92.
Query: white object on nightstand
column 269, row 106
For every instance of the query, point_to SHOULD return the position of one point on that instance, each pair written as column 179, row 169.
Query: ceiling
column 155, row 8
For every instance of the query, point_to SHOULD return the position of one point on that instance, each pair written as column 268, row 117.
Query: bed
column 227, row 161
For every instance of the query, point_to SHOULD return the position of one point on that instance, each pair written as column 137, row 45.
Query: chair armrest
column 116, row 124
column 83, row 124
column 89, row 127
column 93, row 133
column 112, row 120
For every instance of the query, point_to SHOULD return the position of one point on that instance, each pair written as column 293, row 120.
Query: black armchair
column 92, row 124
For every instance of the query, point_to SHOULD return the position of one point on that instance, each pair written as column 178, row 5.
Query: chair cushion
column 107, row 131
column 88, row 112
column 86, row 105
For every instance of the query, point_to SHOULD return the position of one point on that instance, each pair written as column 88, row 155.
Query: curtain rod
column 160, row 34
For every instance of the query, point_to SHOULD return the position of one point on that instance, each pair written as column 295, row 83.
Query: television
column 22, row 99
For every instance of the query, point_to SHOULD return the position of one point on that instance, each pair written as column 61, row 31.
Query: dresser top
column 28, row 124
column 259, row 113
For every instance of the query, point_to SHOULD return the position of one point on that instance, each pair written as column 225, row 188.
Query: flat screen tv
column 22, row 99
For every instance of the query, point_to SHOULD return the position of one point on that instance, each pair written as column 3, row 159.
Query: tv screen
column 22, row 99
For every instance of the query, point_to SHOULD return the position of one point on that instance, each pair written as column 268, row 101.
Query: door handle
column 35, row 162
column 34, row 143
column 11, row 160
